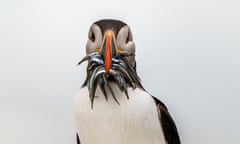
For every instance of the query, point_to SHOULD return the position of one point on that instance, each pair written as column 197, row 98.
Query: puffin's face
column 111, row 38
column 110, row 53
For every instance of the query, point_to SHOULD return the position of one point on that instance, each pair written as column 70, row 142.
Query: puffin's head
column 111, row 57
column 110, row 38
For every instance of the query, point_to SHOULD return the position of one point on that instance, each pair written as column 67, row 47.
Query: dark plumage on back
column 167, row 123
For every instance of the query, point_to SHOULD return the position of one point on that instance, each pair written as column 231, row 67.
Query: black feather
column 169, row 128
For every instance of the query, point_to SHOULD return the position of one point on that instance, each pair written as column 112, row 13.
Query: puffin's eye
column 127, row 40
column 129, row 37
column 92, row 36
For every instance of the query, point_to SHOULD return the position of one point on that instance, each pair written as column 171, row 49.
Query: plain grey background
column 188, row 55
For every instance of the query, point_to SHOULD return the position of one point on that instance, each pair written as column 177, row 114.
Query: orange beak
column 108, row 49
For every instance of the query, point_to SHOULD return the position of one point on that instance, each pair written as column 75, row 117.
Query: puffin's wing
column 168, row 125
column 77, row 138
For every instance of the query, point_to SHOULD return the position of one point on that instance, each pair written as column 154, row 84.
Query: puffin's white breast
column 134, row 121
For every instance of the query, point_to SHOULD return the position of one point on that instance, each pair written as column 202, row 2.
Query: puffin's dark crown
column 106, row 24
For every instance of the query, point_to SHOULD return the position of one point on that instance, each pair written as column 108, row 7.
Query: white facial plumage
column 124, row 41
column 94, row 39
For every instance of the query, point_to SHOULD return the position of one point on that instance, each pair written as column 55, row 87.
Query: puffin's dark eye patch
column 129, row 38
column 92, row 37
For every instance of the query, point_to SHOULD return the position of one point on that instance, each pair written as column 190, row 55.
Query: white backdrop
column 188, row 55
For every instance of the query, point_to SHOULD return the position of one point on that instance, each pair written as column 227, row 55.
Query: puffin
column 112, row 106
